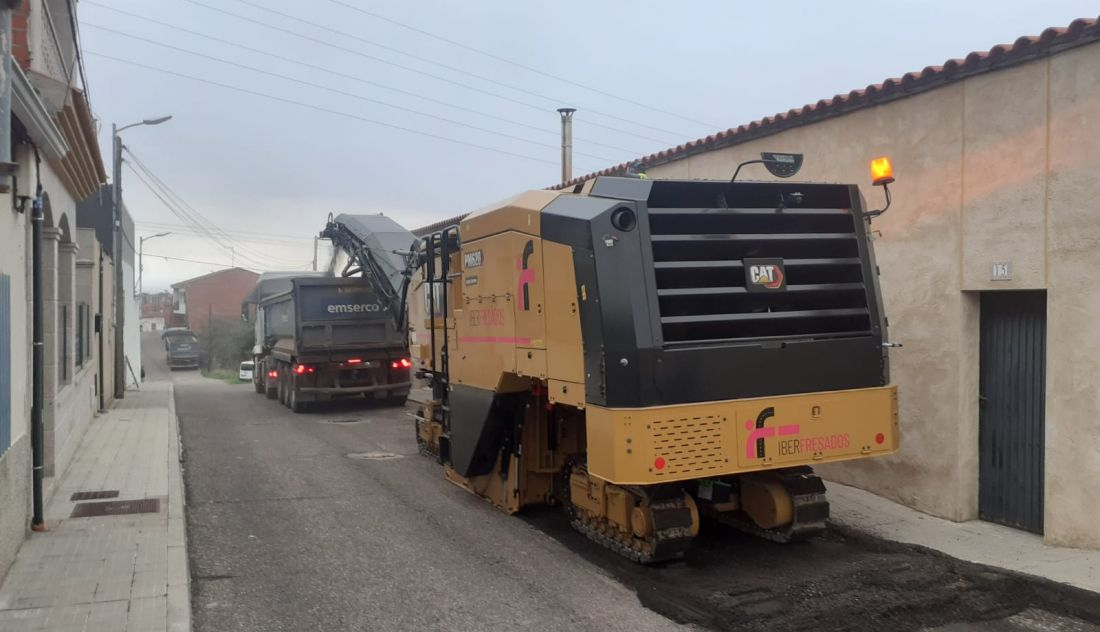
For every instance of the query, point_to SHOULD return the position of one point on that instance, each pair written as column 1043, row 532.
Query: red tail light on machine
column 403, row 363
column 302, row 369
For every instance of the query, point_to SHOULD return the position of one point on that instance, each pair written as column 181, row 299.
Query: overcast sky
column 380, row 117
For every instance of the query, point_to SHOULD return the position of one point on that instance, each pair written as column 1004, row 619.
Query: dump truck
column 330, row 338
column 645, row 353
column 181, row 348
column 269, row 284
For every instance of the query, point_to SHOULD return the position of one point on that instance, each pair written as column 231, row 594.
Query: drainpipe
column 38, row 522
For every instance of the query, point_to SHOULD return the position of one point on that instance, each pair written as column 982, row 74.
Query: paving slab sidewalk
column 973, row 541
column 112, row 573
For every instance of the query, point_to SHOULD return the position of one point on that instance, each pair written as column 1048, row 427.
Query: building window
column 82, row 334
column 63, row 348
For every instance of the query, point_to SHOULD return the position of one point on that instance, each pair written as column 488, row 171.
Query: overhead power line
column 192, row 217
column 437, row 77
column 503, row 84
column 517, row 64
column 541, row 129
column 323, row 109
column 243, row 235
column 339, row 91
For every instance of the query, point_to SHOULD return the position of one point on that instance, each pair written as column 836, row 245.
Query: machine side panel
column 640, row 446
column 486, row 323
column 564, row 345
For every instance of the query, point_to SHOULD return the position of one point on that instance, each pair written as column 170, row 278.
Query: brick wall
column 20, row 36
column 218, row 295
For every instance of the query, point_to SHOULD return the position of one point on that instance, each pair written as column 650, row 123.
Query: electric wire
column 418, row 71
column 336, row 73
column 198, row 219
column 339, row 91
column 209, row 230
column 244, row 235
column 325, row 110
column 516, row 63
column 426, row 60
column 212, row 263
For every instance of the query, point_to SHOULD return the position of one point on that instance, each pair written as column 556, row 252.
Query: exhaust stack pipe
column 566, row 143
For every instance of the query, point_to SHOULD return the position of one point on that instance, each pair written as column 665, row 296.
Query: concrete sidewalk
column 973, row 541
column 115, row 572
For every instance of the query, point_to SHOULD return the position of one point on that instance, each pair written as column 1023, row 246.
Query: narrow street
column 330, row 520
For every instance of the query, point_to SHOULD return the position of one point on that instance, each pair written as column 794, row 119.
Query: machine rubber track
column 671, row 517
column 810, row 510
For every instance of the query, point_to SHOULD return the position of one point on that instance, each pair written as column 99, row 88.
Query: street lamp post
column 120, row 294
column 141, row 257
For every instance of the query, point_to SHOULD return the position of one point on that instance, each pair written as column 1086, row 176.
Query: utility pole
column 121, row 295
column 566, row 143
column 314, row 254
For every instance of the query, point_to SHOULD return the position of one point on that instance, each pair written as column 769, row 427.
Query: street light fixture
column 141, row 256
column 120, row 296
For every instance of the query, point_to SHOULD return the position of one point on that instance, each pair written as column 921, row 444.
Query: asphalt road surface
column 330, row 520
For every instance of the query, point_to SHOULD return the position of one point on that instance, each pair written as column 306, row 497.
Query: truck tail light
column 403, row 363
column 301, row 369
column 273, row 374
column 355, row 361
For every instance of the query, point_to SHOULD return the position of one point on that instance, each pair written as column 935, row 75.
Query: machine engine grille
column 699, row 258
column 689, row 445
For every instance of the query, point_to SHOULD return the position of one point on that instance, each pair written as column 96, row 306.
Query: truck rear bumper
column 398, row 387
column 640, row 446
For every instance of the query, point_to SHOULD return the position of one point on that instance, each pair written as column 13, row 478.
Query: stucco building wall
column 1001, row 166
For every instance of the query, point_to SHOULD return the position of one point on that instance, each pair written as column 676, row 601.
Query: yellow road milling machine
column 648, row 352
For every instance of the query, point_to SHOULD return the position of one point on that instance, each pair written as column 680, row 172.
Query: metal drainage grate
column 116, row 508
column 374, row 456
column 110, row 493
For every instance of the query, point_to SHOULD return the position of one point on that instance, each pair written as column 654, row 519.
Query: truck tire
column 396, row 400
column 271, row 392
column 293, row 402
column 281, row 387
column 258, row 386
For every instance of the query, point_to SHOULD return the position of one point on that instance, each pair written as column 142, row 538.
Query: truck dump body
column 333, row 337
column 667, row 347
column 182, row 349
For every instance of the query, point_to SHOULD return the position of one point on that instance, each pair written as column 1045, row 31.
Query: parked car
column 246, row 370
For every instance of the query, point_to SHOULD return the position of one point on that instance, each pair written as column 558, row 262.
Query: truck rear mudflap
column 642, row 446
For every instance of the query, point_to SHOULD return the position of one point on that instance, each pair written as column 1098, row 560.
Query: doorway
column 1012, row 396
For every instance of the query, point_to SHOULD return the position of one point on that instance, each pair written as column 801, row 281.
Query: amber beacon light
column 882, row 172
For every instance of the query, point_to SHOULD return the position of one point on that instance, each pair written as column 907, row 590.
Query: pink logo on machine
column 754, row 446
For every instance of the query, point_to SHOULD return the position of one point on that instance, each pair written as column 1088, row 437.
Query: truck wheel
column 259, row 386
column 281, row 387
column 293, row 402
column 396, row 400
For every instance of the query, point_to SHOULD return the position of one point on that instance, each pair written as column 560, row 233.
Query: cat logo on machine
column 765, row 275
column 471, row 259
